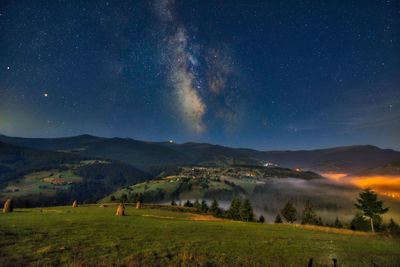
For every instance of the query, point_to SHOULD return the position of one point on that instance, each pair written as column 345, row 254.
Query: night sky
column 259, row 74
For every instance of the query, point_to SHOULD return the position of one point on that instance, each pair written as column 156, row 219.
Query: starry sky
column 258, row 74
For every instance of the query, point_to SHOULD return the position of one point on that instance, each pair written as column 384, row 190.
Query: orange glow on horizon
column 387, row 185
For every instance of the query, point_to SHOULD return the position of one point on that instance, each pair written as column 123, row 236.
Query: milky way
column 260, row 74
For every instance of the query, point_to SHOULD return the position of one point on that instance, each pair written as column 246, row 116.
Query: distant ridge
column 151, row 156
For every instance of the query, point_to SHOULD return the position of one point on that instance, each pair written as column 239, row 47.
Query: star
column 45, row 94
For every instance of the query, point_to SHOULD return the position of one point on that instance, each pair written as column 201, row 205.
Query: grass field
column 90, row 235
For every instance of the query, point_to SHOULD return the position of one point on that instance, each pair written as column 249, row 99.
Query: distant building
column 269, row 164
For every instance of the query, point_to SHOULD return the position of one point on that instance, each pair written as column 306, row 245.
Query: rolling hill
column 93, row 236
column 155, row 156
column 38, row 177
column 198, row 182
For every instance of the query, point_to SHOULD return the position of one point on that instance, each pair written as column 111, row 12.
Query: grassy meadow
column 91, row 235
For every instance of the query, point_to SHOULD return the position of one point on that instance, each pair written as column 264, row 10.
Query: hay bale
column 8, row 207
column 120, row 210
column 138, row 205
column 75, row 204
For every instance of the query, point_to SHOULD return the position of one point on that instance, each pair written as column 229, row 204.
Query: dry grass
column 332, row 230
column 8, row 206
column 203, row 217
column 120, row 210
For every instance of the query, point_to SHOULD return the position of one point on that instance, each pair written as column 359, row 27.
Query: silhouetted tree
column 215, row 207
column 337, row 223
column 234, row 210
column 278, row 219
column 203, row 206
column 123, row 198
column 289, row 212
column 369, row 204
column 309, row 216
column 188, row 204
column 393, row 228
column 246, row 211
column 359, row 223
column 196, row 204
column 261, row 219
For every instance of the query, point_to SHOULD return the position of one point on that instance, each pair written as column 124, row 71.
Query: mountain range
column 153, row 157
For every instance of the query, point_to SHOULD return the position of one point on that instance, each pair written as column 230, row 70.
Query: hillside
column 388, row 169
column 199, row 182
column 37, row 177
column 92, row 236
column 156, row 156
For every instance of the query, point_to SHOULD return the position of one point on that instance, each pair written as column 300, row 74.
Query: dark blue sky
column 260, row 74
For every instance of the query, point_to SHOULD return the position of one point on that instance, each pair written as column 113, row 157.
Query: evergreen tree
column 289, row 212
column 215, row 207
column 196, row 204
column 234, row 210
column 246, row 211
column 371, row 207
column 261, row 219
column 359, row 223
column 203, row 206
column 308, row 216
column 278, row 219
column 123, row 198
column 337, row 223
column 188, row 204
column 393, row 228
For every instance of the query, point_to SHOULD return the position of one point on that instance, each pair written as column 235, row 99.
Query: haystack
column 8, row 206
column 120, row 210
column 75, row 204
column 138, row 205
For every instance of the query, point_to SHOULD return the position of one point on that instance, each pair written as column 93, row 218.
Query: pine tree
column 196, row 204
column 371, row 207
column 203, row 206
column 246, row 211
column 188, row 204
column 337, row 223
column 289, row 212
column 234, row 210
column 123, row 198
column 278, row 219
column 359, row 223
column 308, row 215
column 215, row 207
column 393, row 228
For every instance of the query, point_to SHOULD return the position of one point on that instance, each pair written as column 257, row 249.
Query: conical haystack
column 120, row 210
column 138, row 205
column 8, row 206
column 75, row 204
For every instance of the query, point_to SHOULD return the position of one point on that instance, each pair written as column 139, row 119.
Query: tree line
column 367, row 218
